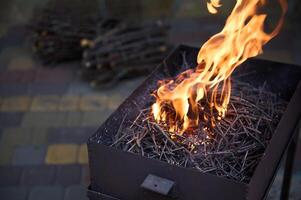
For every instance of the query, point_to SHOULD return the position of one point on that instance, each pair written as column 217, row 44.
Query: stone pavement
column 46, row 116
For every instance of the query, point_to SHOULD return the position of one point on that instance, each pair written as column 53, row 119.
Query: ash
column 235, row 147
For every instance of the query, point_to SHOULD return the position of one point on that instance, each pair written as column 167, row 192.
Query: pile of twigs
column 56, row 36
column 234, row 147
column 128, row 49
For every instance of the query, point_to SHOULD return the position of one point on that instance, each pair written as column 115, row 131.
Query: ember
column 231, row 149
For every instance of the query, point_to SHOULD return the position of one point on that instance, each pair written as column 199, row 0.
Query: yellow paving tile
column 45, row 103
column 93, row 102
column 69, row 103
column 22, row 62
column 15, row 104
column 61, row 154
column 83, row 154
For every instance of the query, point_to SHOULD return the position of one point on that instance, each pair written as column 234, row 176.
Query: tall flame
column 242, row 37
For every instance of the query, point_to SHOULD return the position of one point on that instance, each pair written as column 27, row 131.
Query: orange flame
column 212, row 5
column 242, row 37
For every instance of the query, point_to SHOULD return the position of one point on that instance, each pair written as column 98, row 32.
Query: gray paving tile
column 13, row 89
column 10, row 176
column 68, row 175
column 95, row 118
column 76, row 192
column 47, row 89
column 13, row 193
column 17, row 76
column 44, row 119
column 69, row 135
column 54, row 75
column 39, row 135
column 38, row 175
column 10, row 119
column 73, row 118
column 29, row 155
column 46, row 193
column 85, row 175
column 79, row 87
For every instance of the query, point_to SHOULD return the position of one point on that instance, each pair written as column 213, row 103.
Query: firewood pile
column 111, row 49
column 128, row 49
column 55, row 36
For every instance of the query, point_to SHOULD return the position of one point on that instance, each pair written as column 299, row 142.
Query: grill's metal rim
column 250, row 186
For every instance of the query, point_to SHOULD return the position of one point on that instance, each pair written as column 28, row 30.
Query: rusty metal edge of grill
column 105, row 161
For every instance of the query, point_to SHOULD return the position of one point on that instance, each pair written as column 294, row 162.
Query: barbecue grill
column 116, row 174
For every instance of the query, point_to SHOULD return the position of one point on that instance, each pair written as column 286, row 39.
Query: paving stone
column 54, row 75
column 22, row 136
column 45, row 103
column 10, row 175
column 17, row 76
column 95, row 118
column 93, row 102
column 69, row 135
column 43, row 119
column 13, row 89
column 68, row 175
column 76, row 192
column 9, row 77
column 61, row 154
column 29, row 155
column 38, row 175
column 79, row 88
column 15, row 104
column 114, row 101
column 69, row 103
column 6, row 154
column 47, row 89
column 83, row 154
column 13, row 193
column 3, row 67
column 73, row 118
column 10, row 119
column 39, row 135
column 46, row 193
column 16, row 136
column 85, row 175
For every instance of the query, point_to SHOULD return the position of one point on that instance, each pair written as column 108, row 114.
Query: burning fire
column 212, row 5
column 181, row 102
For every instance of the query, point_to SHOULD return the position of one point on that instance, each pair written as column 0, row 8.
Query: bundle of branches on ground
column 129, row 49
column 56, row 35
column 235, row 144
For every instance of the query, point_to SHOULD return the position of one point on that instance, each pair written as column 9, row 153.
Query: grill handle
column 158, row 184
